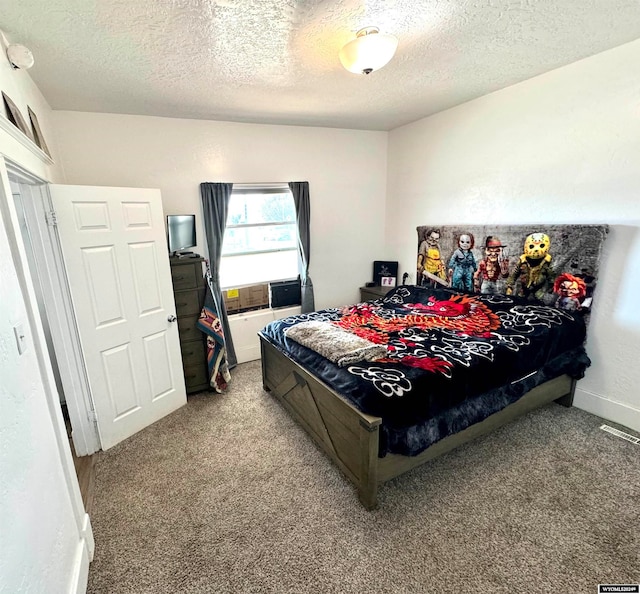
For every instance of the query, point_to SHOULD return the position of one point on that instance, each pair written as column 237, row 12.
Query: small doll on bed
column 462, row 264
column 570, row 290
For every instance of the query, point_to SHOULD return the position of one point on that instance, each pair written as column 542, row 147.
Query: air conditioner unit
column 284, row 293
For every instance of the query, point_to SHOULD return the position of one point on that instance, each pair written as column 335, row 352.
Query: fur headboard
column 556, row 264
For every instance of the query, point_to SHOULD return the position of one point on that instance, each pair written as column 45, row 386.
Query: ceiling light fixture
column 369, row 51
column 20, row 56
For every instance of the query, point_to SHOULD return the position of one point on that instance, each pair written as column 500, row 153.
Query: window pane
column 236, row 271
column 259, row 239
column 251, row 209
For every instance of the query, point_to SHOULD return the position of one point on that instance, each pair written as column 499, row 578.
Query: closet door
column 115, row 253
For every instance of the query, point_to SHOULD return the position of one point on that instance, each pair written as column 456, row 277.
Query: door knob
column 171, row 318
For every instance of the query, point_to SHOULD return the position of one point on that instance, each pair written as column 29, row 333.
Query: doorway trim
column 58, row 305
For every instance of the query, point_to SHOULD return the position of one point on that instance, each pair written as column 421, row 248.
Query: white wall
column 346, row 171
column 45, row 540
column 38, row 536
column 563, row 147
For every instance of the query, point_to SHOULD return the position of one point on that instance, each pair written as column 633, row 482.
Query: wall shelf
column 16, row 133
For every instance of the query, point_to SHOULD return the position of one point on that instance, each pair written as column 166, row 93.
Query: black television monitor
column 181, row 232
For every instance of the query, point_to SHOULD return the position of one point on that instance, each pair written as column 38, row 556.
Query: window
column 261, row 237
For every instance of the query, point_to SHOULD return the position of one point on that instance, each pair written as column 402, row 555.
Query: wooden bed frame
column 350, row 437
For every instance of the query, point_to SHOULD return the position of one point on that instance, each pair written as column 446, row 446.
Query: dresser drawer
column 196, row 375
column 372, row 293
column 193, row 352
column 188, row 329
column 188, row 302
column 184, row 277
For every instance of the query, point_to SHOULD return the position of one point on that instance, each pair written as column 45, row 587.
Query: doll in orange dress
column 570, row 290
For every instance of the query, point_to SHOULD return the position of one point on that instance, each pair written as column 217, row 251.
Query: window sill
column 268, row 312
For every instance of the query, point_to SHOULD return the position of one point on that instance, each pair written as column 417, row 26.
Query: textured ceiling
column 276, row 61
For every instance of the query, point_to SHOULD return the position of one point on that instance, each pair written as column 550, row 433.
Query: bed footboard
column 567, row 399
column 351, row 438
column 556, row 389
column 348, row 436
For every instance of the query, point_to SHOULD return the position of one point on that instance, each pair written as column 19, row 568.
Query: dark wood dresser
column 188, row 293
column 371, row 293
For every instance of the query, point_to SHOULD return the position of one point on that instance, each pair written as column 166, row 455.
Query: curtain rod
column 262, row 185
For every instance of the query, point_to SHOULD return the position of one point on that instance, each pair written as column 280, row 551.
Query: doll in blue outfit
column 462, row 264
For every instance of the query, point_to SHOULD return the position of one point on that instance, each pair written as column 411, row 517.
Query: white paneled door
column 115, row 252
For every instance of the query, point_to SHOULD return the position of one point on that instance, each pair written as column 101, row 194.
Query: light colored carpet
column 229, row 495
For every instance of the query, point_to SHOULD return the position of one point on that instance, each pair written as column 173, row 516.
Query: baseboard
column 616, row 412
column 84, row 556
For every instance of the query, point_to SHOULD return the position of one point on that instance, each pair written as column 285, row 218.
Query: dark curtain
column 215, row 206
column 300, row 191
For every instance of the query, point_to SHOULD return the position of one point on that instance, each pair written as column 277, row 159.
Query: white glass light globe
column 369, row 51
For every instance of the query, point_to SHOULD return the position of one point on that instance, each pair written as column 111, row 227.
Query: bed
column 387, row 385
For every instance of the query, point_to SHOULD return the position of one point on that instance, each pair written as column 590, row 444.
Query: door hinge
column 92, row 417
column 52, row 218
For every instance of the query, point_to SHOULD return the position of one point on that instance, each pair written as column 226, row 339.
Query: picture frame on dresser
column 383, row 269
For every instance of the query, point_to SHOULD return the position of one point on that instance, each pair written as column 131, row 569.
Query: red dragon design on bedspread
column 460, row 313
